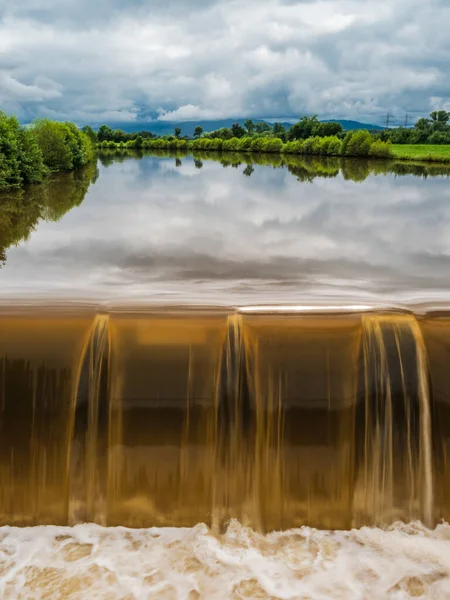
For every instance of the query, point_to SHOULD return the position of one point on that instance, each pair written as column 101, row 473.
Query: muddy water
column 170, row 417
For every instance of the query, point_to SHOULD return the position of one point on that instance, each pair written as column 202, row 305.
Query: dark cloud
column 123, row 61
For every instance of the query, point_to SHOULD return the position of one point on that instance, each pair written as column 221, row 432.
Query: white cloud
column 189, row 112
column 225, row 58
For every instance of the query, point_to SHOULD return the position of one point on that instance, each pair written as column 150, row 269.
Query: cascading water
column 174, row 417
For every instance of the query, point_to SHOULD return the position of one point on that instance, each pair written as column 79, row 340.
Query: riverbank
column 422, row 152
column 331, row 147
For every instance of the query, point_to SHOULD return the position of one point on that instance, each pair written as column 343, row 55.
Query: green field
column 422, row 152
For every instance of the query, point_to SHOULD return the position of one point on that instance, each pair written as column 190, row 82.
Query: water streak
column 174, row 417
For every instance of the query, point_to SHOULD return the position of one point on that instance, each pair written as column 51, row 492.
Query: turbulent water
column 89, row 561
column 170, row 395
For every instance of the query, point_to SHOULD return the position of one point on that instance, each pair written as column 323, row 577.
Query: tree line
column 354, row 143
column 29, row 153
column 432, row 130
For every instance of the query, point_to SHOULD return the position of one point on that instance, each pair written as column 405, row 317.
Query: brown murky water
column 170, row 417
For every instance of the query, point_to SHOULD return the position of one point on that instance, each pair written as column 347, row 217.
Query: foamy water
column 89, row 561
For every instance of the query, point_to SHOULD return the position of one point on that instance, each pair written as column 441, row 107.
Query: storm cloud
column 207, row 59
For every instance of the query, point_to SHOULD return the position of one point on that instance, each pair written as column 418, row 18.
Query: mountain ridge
column 187, row 127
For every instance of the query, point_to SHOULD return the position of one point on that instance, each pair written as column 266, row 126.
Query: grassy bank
column 422, row 152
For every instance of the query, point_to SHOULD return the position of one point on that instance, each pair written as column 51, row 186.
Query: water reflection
column 235, row 228
column 305, row 168
column 21, row 210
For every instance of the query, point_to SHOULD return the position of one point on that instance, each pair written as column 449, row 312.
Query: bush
column 257, row 144
column 245, row 144
column 330, row 146
column 231, row 145
column 312, row 145
column 381, row 149
column 272, row 145
column 293, row 147
column 334, row 146
column 216, row 144
column 357, row 143
column 439, row 137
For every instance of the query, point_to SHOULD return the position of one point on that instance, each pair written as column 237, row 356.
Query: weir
column 170, row 417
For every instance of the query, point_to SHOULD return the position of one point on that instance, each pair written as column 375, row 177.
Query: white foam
column 89, row 561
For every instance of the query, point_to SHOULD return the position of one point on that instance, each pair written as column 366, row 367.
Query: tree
column 9, row 151
column 327, row 128
column 197, row 131
column 279, row 131
column 53, row 139
column 304, row 129
column 104, row 133
column 237, row 131
column 87, row 129
column 440, row 117
column 249, row 126
column 262, row 127
column 177, row 132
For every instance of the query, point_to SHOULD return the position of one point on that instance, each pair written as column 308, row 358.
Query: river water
column 226, row 377
column 162, row 229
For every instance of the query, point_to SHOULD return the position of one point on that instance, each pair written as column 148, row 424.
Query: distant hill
column 352, row 125
column 187, row 127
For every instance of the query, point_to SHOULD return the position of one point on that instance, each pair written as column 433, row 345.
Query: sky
column 95, row 61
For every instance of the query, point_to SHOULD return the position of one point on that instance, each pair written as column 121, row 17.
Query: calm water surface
column 168, row 229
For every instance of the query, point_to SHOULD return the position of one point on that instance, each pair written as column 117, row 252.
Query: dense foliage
column 355, row 143
column 435, row 130
column 28, row 154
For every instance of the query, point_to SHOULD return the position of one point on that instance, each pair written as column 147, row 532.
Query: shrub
column 312, row 145
column 381, row 149
column 334, row 146
column 272, row 145
column 231, row 145
column 293, row 147
column 257, row 144
column 216, row 144
column 357, row 143
column 245, row 144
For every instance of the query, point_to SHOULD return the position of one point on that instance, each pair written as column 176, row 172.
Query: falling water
column 172, row 417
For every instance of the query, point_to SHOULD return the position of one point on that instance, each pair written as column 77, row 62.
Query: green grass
column 422, row 152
